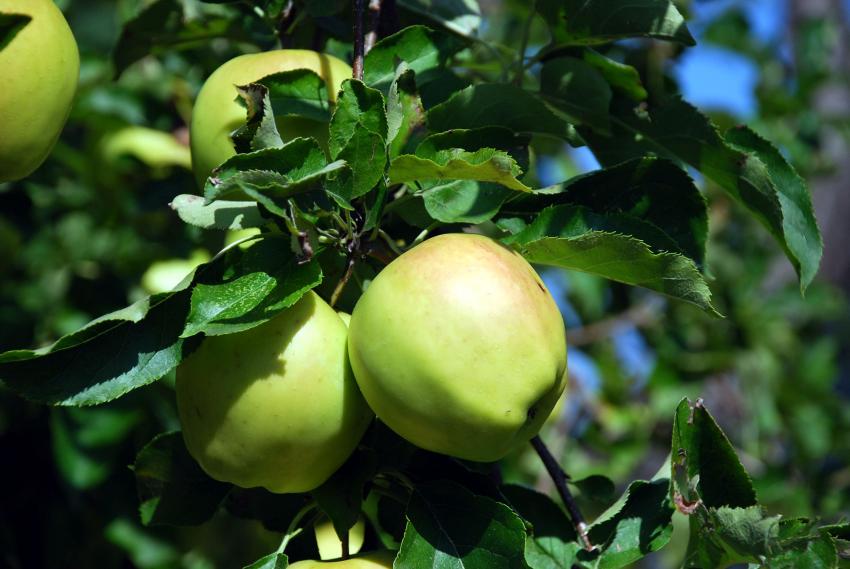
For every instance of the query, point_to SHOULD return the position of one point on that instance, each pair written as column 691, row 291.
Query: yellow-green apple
column 373, row 560
column 458, row 347
column 274, row 406
column 217, row 113
column 39, row 69
column 329, row 544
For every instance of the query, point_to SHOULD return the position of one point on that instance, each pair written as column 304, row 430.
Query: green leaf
column 450, row 527
column 475, row 139
column 724, row 536
column 162, row 27
column 359, row 109
column 299, row 92
column 799, row 225
column 341, row 496
column 462, row 17
column 268, row 279
column 358, row 135
column 172, row 487
column 281, row 172
column 620, row 76
column 422, row 49
column 638, row 524
column 464, row 201
column 10, row 25
column 701, row 452
column 578, row 90
column 485, row 165
column 220, row 214
column 554, row 542
column 260, row 130
column 592, row 22
column 675, row 129
column 652, row 189
column 109, row 357
column 270, row 561
column 495, row 104
column 574, row 238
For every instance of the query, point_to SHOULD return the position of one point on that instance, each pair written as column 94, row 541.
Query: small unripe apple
column 458, row 347
column 329, row 544
column 39, row 70
column 373, row 560
column 275, row 406
column 217, row 113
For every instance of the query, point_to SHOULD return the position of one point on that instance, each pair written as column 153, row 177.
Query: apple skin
column 373, row 560
column 330, row 547
column 275, row 406
column 458, row 347
column 217, row 113
column 40, row 68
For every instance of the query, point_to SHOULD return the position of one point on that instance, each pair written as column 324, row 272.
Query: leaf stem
column 293, row 529
column 559, row 477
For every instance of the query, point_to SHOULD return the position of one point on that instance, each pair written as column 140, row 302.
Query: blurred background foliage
column 90, row 232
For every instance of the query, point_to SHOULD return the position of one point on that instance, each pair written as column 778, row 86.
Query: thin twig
column 287, row 17
column 559, row 477
column 640, row 315
column 359, row 40
column 374, row 17
column 346, row 276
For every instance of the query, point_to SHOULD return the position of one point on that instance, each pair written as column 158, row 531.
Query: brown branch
column 287, row 18
column 359, row 40
column 374, row 18
column 639, row 315
column 559, row 477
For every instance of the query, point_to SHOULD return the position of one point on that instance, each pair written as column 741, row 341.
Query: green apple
column 155, row 148
column 346, row 317
column 373, row 560
column 163, row 276
column 458, row 347
column 39, row 70
column 275, row 406
column 327, row 540
column 217, row 113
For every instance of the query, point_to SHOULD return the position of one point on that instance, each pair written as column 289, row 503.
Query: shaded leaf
column 10, row 25
column 270, row 561
column 464, row 201
column 494, row 104
column 591, row 22
column 578, row 90
column 260, row 130
column 677, row 130
column 423, row 51
column 450, row 527
column 109, row 357
column 172, row 487
column 462, row 17
column 299, row 92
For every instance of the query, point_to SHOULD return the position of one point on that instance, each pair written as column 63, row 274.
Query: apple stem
column 294, row 529
column 359, row 40
column 346, row 548
column 560, row 478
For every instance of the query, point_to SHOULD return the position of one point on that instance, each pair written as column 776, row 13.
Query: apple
column 458, row 347
column 329, row 544
column 275, row 406
column 373, row 560
column 164, row 276
column 40, row 68
column 217, row 113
